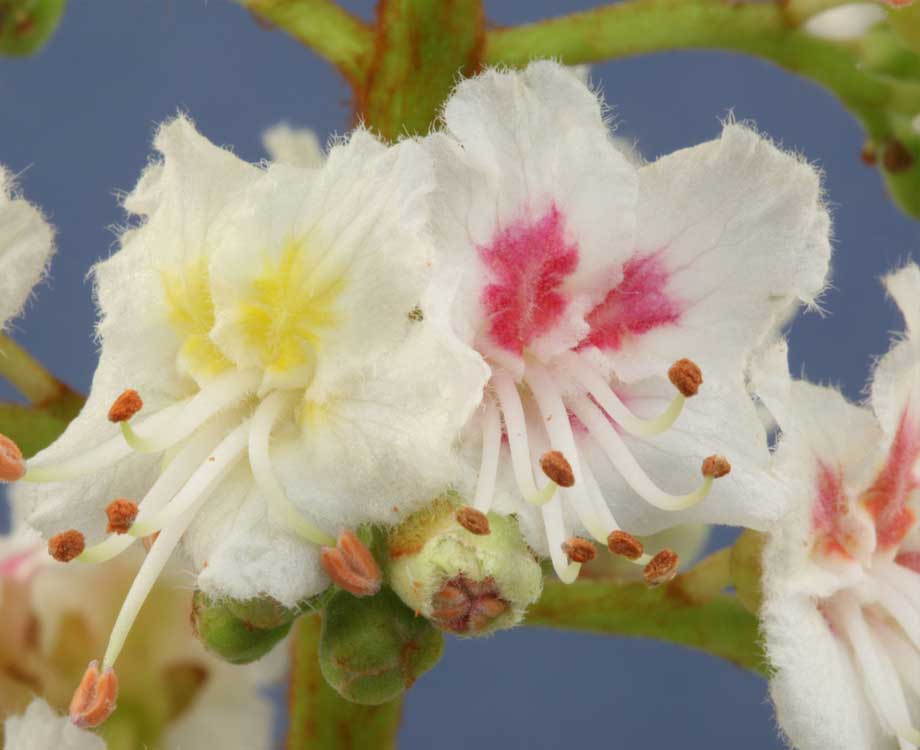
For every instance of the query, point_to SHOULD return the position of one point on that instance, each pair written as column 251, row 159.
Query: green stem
column 322, row 720
column 322, row 25
column 27, row 374
column 716, row 623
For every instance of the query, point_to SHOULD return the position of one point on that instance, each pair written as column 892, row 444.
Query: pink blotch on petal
column 17, row 567
column 830, row 511
column 909, row 560
column 638, row 304
column 886, row 499
column 529, row 261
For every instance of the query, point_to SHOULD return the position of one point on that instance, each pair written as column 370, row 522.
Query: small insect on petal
column 661, row 568
column 473, row 520
column 351, row 565
column 12, row 464
column 95, row 698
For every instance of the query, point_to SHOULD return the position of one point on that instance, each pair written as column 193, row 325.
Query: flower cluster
column 504, row 341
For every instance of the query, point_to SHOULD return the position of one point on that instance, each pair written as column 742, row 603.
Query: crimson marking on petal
column 635, row 306
column 886, row 499
column 830, row 510
column 529, row 261
column 909, row 560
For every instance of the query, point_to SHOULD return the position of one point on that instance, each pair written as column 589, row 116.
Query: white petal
column 845, row 22
column 820, row 704
column 40, row 728
column 26, row 245
column 298, row 147
column 743, row 233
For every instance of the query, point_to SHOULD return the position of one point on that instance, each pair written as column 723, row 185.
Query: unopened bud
column 94, row 700
column 229, row 636
column 464, row 583
column 25, row 27
column 373, row 649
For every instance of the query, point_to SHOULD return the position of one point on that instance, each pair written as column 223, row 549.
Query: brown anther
column 868, row 155
column 12, row 464
column 94, row 700
column 579, row 550
column 474, row 521
column 625, row 545
column 557, row 468
column 465, row 606
column 148, row 540
column 351, row 565
column 716, row 466
column 126, row 406
column 895, row 156
column 67, row 545
column 661, row 568
column 121, row 514
column 686, row 377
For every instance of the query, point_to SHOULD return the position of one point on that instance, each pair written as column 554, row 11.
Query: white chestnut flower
column 841, row 608
column 26, row 246
column 599, row 292
column 278, row 332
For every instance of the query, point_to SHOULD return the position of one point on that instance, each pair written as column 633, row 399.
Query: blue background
column 76, row 122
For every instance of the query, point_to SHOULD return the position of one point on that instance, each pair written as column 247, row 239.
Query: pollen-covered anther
column 716, row 466
column 625, row 545
column 661, row 568
column 12, row 464
column 121, row 514
column 67, row 545
column 686, row 377
column 474, row 521
column 351, row 565
column 557, row 468
column 126, row 406
column 579, row 550
column 95, row 698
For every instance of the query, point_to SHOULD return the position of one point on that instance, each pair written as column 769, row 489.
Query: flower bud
column 373, row 648
column 229, row 636
column 263, row 613
column 464, row 582
column 26, row 26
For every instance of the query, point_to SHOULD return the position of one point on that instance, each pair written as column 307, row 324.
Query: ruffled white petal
column 743, row 233
column 26, row 246
column 40, row 728
column 845, row 22
column 298, row 147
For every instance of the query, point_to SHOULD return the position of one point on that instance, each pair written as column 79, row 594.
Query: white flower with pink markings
column 584, row 280
column 841, row 610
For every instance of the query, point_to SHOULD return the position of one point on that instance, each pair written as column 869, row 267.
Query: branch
column 330, row 31
column 27, row 374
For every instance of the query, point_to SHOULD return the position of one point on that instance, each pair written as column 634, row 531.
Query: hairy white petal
column 40, row 728
column 298, row 147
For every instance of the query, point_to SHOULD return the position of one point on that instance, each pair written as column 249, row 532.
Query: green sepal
column 230, row 637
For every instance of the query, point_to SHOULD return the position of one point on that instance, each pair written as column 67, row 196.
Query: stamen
column 473, row 521
column 126, row 406
column 579, row 550
column 686, row 377
column 516, row 430
column 224, row 391
column 12, row 465
column 263, row 422
column 149, row 541
column 662, row 568
column 184, row 507
column 94, row 700
column 67, row 545
column 491, row 449
column 624, row 462
column 601, row 392
column 164, row 489
column 121, row 514
column 625, row 545
column 886, row 694
column 565, row 465
column 352, row 566
column 716, row 467
column 557, row 468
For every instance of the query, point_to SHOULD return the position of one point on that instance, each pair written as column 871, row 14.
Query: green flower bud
column 373, row 648
column 470, row 574
column 229, row 636
column 264, row 613
column 25, row 25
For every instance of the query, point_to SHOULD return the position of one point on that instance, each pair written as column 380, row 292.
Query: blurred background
column 75, row 125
